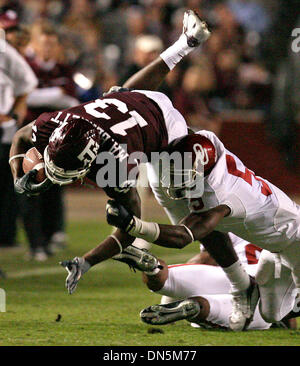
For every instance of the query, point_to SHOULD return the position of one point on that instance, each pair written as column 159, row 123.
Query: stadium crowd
column 80, row 48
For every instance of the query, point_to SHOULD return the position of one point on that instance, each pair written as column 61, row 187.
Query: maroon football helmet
column 72, row 148
column 197, row 158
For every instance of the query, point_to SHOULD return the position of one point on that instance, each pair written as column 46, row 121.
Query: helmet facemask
column 190, row 186
column 184, row 183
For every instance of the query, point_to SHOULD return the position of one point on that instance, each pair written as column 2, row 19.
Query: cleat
column 139, row 259
column 195, row 29
column 169, row 313
column 244, row 304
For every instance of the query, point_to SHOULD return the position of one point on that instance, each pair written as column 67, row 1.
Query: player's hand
column 27, row 185
column 116, row 89
column 75, row 268
column 194, row 29
column 117, row 215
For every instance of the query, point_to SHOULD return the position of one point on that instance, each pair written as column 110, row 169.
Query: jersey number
column 252, row 253
column 119, row 128
column 247, row 176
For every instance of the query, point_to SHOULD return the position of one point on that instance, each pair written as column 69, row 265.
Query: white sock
column 238, row 277
column 176, row 52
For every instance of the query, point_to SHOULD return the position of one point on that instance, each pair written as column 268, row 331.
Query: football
column 34, row 160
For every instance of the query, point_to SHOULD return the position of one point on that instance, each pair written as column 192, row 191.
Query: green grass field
column 104, row 310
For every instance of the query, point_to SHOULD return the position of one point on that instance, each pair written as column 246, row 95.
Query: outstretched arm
column 111, row 246
column 196, row 226
column 194, row 33
column 150, row 77
column 114, row 244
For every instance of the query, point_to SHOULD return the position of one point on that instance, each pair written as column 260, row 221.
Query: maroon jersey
column 57, row 75
column 127, row 122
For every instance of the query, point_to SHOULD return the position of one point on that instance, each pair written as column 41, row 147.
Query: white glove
column 75, row 268
column 194, row 29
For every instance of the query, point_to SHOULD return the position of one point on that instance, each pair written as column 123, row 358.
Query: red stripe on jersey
column 187, row 264
column 250, row 250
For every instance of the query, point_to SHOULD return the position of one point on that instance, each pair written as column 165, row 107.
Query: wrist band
column 148, row 231
column 15, row 157
column 118, row 242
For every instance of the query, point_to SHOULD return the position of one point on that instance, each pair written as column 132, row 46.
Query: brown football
column 34, row 160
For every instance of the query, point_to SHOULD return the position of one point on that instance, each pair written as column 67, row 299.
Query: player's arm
column 111, row 246
column 24, row 183
column 150, row 77
column 194, row 33
column 195, row 226
column 21, row 142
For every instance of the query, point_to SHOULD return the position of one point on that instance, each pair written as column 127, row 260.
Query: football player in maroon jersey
column 70, row 140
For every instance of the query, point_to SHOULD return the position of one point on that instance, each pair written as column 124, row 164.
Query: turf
column 104, row 311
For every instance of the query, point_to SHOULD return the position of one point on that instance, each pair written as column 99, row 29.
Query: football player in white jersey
column 233, row 200
column 200, row 293
column 211, row 290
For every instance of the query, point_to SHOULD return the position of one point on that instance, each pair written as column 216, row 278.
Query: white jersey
column 260, row 212
column 16, row 79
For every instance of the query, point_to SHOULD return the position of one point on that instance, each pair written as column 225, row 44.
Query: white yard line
column 45, row 271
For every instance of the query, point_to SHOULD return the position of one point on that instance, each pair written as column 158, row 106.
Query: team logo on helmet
column 184, row 178
column 89, row 153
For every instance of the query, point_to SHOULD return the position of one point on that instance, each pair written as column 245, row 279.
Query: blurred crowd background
column 81, row 48
column 103, row 42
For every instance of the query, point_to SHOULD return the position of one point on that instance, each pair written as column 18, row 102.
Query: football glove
column 117, row 215
column 116, row 89
column 194, row 28
column 75, row 268
column 27, row 185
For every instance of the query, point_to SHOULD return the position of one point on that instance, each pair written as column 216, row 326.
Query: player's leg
column 30, row 211
column 276, row 286
column 290, row 257
column 201, row 293
column 213, row 310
